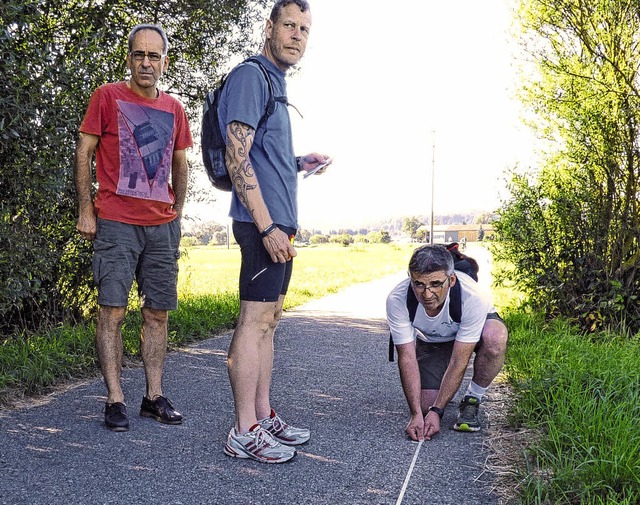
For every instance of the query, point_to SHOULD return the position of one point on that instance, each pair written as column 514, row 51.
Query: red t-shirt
column 138, row 136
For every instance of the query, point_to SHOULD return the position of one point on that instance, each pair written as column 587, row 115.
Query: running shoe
column 282, row 432
column 258, row 445
column 468, row 415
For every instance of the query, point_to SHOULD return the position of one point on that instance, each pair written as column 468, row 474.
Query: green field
column 318, row 270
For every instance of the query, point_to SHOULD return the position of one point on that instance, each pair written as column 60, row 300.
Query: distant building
column 445, row 233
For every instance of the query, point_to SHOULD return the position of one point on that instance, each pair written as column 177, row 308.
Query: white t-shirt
column 476, row 304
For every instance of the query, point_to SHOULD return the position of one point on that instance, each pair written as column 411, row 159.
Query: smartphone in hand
column 316, row 169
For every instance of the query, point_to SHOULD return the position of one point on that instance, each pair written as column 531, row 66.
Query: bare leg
column 109, row 349
column 250, row 361
column 490, row 356
column 263, row 392
column 153, row 347
column 427, row 398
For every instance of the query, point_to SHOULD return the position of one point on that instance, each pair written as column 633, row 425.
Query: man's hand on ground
column 431, row 425
column 415, row 428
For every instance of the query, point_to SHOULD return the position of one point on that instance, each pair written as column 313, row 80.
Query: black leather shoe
column 115, row 416
column 161, row 410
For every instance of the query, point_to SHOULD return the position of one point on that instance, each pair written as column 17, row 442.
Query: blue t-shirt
column 244, row 98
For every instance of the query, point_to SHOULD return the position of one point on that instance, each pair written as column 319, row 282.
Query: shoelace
column 264, row 438
column 278, row 424
column 469, row 410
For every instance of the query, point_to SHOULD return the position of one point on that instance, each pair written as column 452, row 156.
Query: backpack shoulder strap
column 412, row 307
column 271, row 105
column 412, row 303
column 455, row 302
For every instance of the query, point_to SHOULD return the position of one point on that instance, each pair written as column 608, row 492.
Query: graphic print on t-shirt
column 146, row 144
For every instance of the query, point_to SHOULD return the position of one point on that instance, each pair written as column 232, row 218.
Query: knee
column 267, row 327
column 111, row 317
column 259, row 319
column 494, row 340
column 154, row 318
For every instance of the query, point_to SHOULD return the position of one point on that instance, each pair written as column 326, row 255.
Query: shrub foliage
column 53, row 54
column 571, row 226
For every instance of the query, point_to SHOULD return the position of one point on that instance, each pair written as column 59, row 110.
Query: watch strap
column 437, row 410
column 268, row 230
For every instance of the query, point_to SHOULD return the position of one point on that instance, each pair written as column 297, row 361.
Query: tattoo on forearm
column 239, row 141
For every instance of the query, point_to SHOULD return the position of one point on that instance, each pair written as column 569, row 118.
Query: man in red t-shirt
column 138, row 135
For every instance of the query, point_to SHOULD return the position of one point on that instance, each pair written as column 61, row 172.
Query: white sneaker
column 282, row 432
column 257, row 444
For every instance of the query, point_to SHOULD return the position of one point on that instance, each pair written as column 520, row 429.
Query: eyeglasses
column 140, row 56
column 434, row 287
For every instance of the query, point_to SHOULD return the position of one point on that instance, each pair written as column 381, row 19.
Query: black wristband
column 299, row 163
column 437, row 410
column 268, row 230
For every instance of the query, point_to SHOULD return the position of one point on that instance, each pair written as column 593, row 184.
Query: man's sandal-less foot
column 257, row 444
column 468, row 415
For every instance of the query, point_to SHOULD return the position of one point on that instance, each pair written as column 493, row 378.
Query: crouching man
column 451, row 318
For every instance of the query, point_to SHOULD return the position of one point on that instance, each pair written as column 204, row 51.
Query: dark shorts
column 261, row 280
column 433, row 359
column 122, row 252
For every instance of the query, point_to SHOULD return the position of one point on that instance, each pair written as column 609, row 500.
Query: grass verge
column 579, row 397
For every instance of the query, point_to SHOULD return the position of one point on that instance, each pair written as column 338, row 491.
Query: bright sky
column 378, row 86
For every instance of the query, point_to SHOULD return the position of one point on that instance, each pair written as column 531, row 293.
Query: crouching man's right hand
column 415, row 428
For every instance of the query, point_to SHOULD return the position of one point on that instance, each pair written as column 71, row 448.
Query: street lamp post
column 433, row 171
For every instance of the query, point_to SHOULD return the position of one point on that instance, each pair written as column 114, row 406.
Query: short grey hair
column 281, row 4
column 156, row 28
column 431, row 258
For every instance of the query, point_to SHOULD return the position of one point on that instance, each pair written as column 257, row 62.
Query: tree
column 423, row 234
column 344, row 238
column 53, row 54
column 209, row 231
column 572, row 227
column 484, row 218
column 410, row 226
column 319, row 239
column 303, row 235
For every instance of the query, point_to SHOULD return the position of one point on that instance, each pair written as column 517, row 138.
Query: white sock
column 476, row 391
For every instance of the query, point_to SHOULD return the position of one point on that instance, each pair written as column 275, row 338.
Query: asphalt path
column 331, row 374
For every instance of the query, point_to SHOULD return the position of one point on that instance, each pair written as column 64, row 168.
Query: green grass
column 581, row 394
column 32, row 363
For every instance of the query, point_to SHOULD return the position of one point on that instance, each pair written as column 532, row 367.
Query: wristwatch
column 437, row 410
column 268, row 230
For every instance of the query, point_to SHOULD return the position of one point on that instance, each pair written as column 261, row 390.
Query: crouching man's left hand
column 431, row 425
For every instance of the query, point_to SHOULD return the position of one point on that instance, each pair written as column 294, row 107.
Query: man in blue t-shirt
column 264, row 171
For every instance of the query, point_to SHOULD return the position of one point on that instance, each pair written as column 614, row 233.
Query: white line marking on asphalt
column 408, row 477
